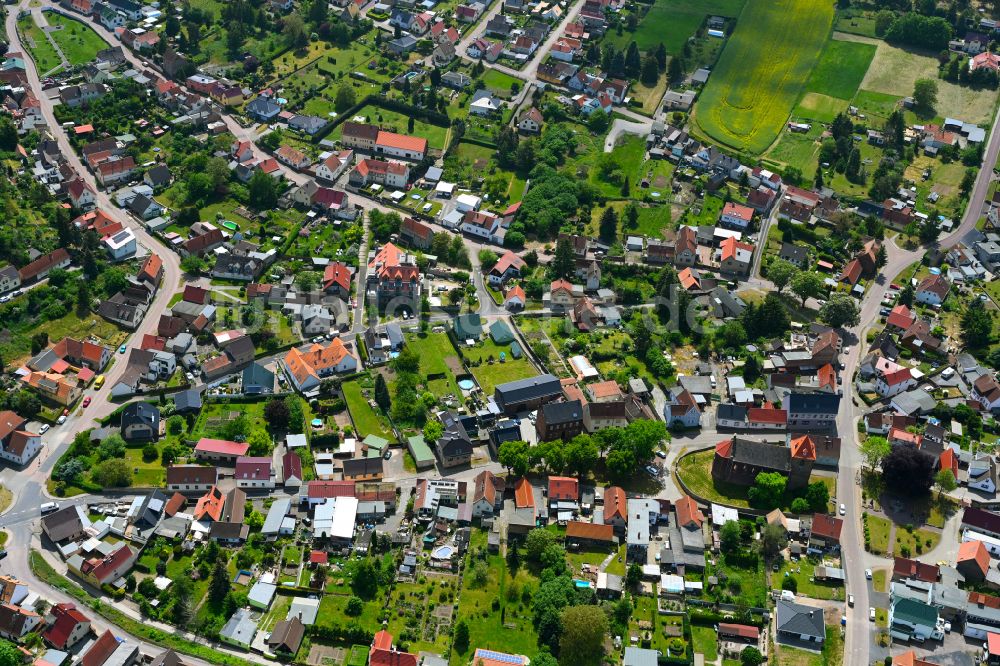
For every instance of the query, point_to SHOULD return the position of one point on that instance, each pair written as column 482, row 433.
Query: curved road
column 859, row 630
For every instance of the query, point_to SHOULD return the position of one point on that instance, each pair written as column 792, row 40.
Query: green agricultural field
column 798, row 150
column 875, row 105
column 762, row 71
column 818, row 107
column 79, row 43
column 841, row 68
column 893, row 71
column 674, row 21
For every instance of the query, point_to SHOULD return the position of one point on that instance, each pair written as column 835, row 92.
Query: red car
column 86, row 401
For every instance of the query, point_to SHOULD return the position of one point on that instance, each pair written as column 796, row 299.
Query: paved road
column 100, row 406
column 859, row 629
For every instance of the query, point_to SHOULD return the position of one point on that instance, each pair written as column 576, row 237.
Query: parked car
column 652, row 471
column 871, row 614
column 121, row 350
column 843, row 509
column 61, row 419
column 49, row 507
column 45, row 427
column 868, row 574
column 850, row 599
column 86, row 401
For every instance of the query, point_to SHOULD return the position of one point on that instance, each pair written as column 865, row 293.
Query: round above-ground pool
column 466, row 384
column 317, row 423
column 443, row 552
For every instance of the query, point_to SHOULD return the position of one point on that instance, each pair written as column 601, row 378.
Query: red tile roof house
column 736, row 215
column 825, row 531
column 16, row 621
column 337, row 279
column 973, row 561
column 563, row 489
column 254, row 473
column 932, row 290
column 616, row 508
column 507, row 266
column 740, row 633
column 291, row 469
column 66, row 627
column 904, row 567
column 98, row 571
column 40, row 267
column 383, row 653
column 220, row 450
column 416, row 234
column 191, row 478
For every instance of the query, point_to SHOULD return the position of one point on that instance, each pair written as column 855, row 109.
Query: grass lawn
column 645, row 610
column 696, row 472
column 433, row 349
column 673, row 22
column 878, row 528
column 145, row 474
column 617, row 564
column 6, row 498
column 398, row 122
column 488, row 375
column 917, row 541
column 871, row 103
column 366, row 420
column 856, row 22
column 762, row 71
column 841, row 68
column 706, row 642
column 41, row 50
column 802, row 573
column 333, row 607
column 653, row 219
column 500, row 83
column 879, row 579
column 591, row 556
column 79, row 43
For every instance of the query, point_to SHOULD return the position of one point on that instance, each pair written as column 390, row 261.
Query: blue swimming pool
column 443, row 552
column 466, row 384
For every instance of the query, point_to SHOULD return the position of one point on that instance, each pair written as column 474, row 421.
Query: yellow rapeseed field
column 762, row 71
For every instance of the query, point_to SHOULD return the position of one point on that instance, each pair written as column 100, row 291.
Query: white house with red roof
column 66, row 626
column 401, row 146
column 507, row 267
column 334, row 164
column 932, row 290
column 736, row 216
column 102, row 570
column 895, row 382
column 220, row 450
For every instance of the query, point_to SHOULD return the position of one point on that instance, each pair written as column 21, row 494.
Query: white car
column 61, row 419
column 850, row 600
column 871, row 614
column 43, row 429
column 868, row 574
column 843, row 509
